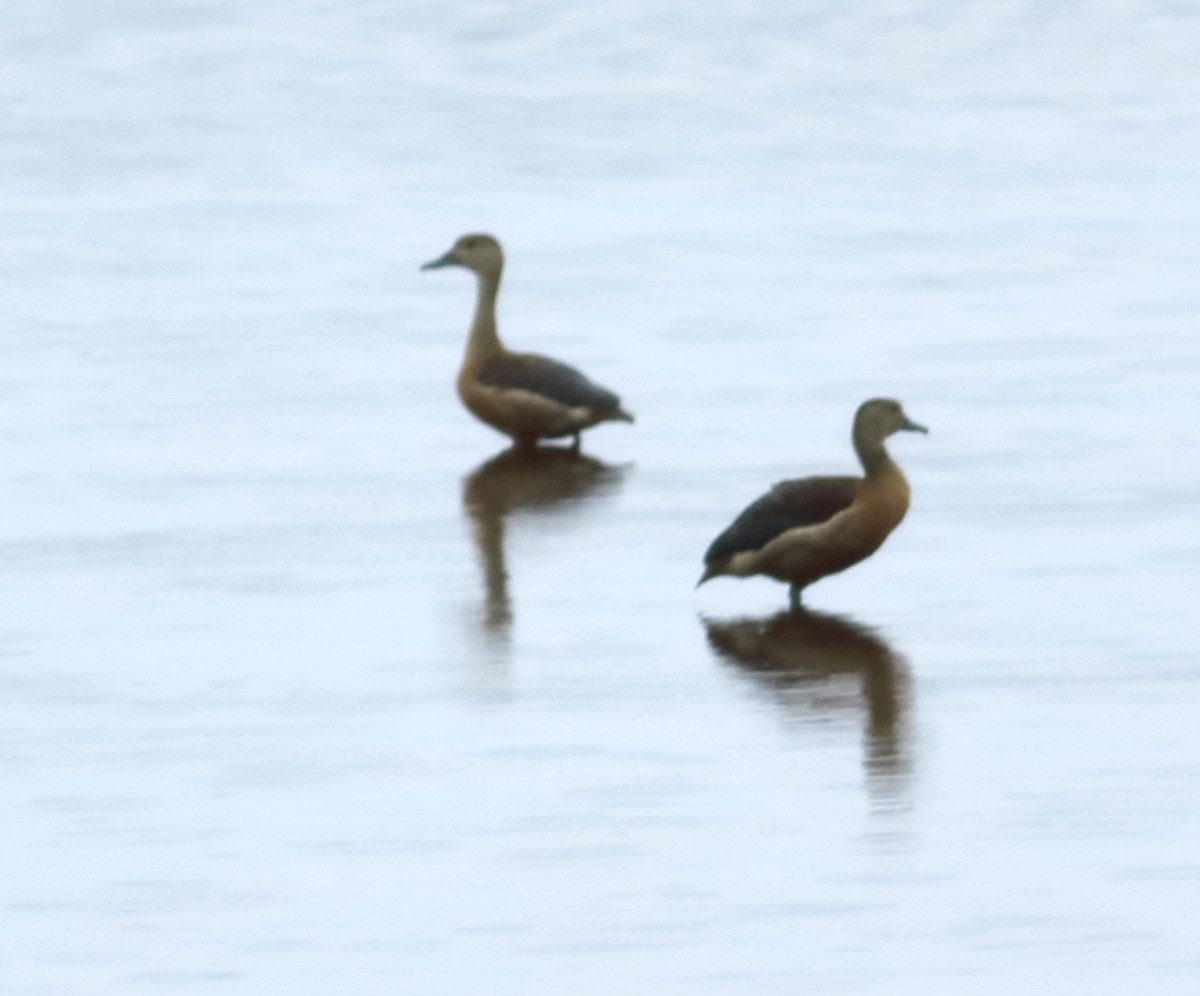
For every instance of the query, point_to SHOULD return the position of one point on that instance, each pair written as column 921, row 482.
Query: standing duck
column 801, row 531
column 523, row 395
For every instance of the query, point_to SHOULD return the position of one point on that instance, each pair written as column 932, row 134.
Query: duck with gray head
column 523, row 395
column 803, row 530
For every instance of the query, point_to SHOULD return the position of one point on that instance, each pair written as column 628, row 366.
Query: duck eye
column 469, row 244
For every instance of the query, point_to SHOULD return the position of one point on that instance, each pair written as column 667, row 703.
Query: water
column 306, row 689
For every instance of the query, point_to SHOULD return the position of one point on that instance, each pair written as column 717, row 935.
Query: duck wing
column 788, row 505
column 548, row 378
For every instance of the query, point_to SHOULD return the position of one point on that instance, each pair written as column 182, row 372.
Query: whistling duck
column 803, row 530
column 523, row 395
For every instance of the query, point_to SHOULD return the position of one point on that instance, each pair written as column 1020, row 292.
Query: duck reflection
column 540, row 480
column 817, row 665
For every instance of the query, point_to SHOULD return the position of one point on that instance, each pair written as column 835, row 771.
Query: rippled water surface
column 306, row 686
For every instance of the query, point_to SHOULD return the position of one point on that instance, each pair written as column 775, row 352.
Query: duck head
column 477, row 252
column 878, row 418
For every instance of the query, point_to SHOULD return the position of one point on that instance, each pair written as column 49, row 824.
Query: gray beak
column 449, row 259
column 911, row 426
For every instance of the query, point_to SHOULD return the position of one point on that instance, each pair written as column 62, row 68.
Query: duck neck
column 884, row 488
column 873, row 455
column 484, row 340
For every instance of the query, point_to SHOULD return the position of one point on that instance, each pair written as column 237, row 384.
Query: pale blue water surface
column 299, row 693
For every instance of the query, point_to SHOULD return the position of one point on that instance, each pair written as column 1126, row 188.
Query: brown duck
column 801, row 531
column 523, row 395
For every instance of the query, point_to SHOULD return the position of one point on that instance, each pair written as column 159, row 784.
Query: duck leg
column 794, row 591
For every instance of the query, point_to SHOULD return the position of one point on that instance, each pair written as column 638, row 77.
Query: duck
column 523, row 395
column 803, row 530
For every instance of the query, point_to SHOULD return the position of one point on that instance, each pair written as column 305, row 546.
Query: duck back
column 788, row 505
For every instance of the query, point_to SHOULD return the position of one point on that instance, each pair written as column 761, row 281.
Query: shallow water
column 304, row 686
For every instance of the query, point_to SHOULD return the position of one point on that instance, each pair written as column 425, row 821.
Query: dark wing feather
column 788, row 505
column 547, row 377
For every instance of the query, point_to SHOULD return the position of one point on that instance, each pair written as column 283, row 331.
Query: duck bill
column 449, row 259
column 911, row 426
